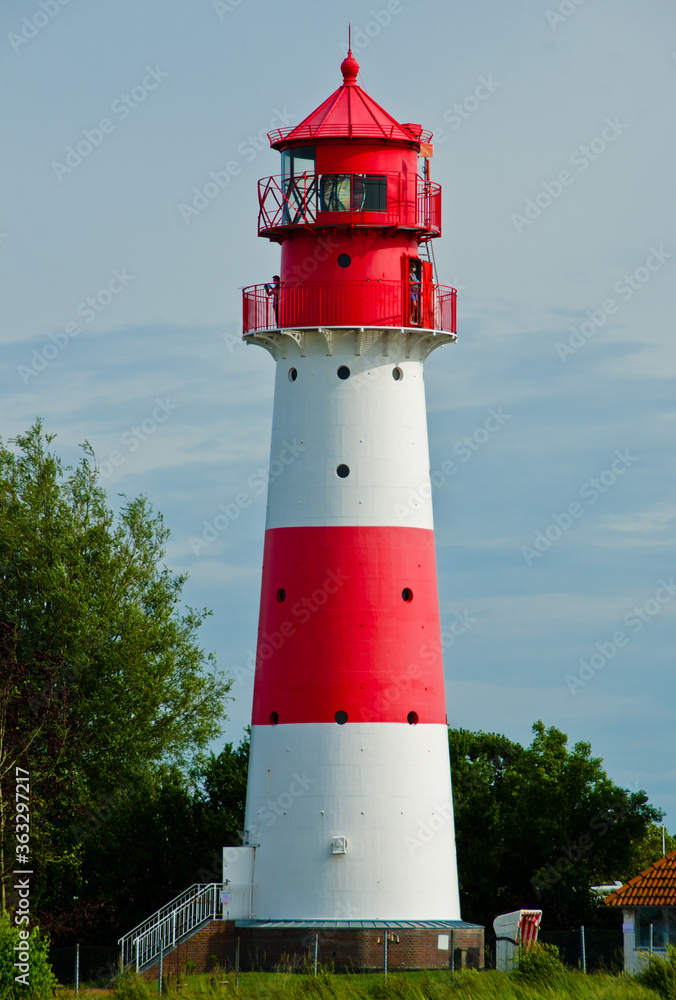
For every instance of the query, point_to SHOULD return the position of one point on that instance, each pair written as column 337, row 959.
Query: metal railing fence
column 198, row 904
column 603, row 948
column 311, row 132
column 94, row 965
column 85, row 965
column 387, row 199
column 348, row 303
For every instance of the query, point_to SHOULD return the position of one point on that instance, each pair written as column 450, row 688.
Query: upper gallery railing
column 337, row 131
column 387, row 199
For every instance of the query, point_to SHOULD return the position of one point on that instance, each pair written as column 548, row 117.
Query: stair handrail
column 171, row 905
column 191, row 908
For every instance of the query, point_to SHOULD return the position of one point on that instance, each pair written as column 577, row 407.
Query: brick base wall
column 210, row 946
column 343, row 949
column 409, row 948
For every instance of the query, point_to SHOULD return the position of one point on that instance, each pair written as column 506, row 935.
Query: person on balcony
column 273, row 289
column 414, row 276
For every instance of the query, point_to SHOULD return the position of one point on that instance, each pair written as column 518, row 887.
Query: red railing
column 389, row 199
column 349, row 303
column 339, row 131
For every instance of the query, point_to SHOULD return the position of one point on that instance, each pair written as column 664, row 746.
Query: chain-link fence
column 603, row 949
column 86, row 964
column 98, row 965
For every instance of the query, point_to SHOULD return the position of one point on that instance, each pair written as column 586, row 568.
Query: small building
column 648, row 904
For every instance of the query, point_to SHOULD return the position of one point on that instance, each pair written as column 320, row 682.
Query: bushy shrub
column 130, row 987
column 540, row 964
column 660, row 974
column 36, row 984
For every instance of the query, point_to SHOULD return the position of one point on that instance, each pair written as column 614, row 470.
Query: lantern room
column 352, row 209
column 350, row 164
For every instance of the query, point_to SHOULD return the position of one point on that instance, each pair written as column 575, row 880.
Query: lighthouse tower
column 349, row 808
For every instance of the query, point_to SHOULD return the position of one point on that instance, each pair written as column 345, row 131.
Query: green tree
column 31, row 726
column 647, row 850
column 19, row 978
column 162, row 833
column 222, row 782
column 539, row 826
column 479, row 762
column 138, row 851
column 95, row 633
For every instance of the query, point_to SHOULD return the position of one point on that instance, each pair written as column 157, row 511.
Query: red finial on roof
column 349, row 68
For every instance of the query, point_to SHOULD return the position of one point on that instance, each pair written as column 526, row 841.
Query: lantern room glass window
column 299, row 183
column 375, row 193
column 298, row 161
column 352, row 193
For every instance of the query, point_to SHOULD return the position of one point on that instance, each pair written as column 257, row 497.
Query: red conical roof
column 348, row 113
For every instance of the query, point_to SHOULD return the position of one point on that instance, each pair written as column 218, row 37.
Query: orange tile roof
column 656, row 886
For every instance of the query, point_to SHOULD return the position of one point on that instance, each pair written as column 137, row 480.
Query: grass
column 486, row 985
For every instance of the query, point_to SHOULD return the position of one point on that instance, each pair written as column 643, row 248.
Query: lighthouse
column 349, row 815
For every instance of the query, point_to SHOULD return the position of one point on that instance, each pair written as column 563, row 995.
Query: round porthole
column 340, row 717
column 343, row 372
column 397, row 374
column 407, row 595
column 274, row 718
column 281, row 595
column 412, row 718
column 293, row 374
column 344, row 260
column 343, row 471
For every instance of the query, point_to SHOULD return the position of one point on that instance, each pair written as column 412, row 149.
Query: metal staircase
column 168, row 926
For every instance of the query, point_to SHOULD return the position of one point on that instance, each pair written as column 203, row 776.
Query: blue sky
column 554, row 143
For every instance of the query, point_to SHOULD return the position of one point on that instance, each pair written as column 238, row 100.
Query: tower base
column 359, row 945
column 344, row 946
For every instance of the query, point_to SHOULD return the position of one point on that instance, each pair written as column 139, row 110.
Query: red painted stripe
column 528, row 927
column 343, row 638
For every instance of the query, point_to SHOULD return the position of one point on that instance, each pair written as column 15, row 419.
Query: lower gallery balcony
column 292, row 305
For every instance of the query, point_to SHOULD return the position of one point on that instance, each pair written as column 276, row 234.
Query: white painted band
column 371, row 422
column 386, row 789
